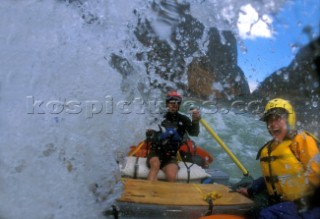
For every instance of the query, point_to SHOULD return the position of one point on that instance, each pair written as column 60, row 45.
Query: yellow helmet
column 277, row 104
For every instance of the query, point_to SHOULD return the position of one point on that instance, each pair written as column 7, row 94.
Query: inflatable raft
column 136, row 167
column 145, row 199
column 188, row 147
column 187, row 198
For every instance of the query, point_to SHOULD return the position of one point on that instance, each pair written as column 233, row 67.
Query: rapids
column 65, row 111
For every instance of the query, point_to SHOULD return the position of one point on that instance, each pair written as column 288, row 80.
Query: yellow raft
column 145, row 199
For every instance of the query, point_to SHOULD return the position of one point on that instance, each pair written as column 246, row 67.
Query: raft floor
column 178, row 194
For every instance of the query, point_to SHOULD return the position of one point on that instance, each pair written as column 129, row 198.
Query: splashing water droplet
column 243, row 48
column 294, row 48
column 315, row 104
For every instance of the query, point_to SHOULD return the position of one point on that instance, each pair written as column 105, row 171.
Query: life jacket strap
column 272, row 179
column 270, row 158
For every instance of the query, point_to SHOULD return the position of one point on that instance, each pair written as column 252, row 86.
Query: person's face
column 173, row 106
column 277, row 126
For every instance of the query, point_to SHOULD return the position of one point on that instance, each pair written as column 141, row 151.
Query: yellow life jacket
column 284, row 174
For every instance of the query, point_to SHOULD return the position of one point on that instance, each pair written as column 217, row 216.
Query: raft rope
column 208, row 198
column 136, row 168
column 188, row 170
column 211, row 195
column 179, row 158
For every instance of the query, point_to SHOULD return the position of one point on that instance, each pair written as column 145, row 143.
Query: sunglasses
column 174, row 102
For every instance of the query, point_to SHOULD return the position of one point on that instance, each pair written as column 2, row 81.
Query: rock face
column 217, row 73
column 202, row 68
column 299, row 83
column 202, row 62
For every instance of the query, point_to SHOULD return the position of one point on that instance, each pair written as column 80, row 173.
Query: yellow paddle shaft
column 224, row 146
column 137, row 149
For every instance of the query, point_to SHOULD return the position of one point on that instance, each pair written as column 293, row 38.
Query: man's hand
column 243, row 191
column 195, row 115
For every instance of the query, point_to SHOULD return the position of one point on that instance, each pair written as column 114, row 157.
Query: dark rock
column 212, row 71
column 217, row 73
column 299, row 83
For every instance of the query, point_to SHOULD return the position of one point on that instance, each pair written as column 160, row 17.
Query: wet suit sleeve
column 306, row 150
column 258, row 186
column 193, row 128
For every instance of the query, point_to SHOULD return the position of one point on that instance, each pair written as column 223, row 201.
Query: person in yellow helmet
column 290, row 165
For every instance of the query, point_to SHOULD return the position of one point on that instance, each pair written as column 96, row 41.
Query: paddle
column 136, row 149
column 224, row 146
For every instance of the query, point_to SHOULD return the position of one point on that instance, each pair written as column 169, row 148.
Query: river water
column 63, row 107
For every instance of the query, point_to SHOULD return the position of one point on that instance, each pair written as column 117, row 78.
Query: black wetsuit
column 166, row 149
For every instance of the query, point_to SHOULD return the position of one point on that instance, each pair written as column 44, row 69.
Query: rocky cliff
column 200, row 62
column 299, row 83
